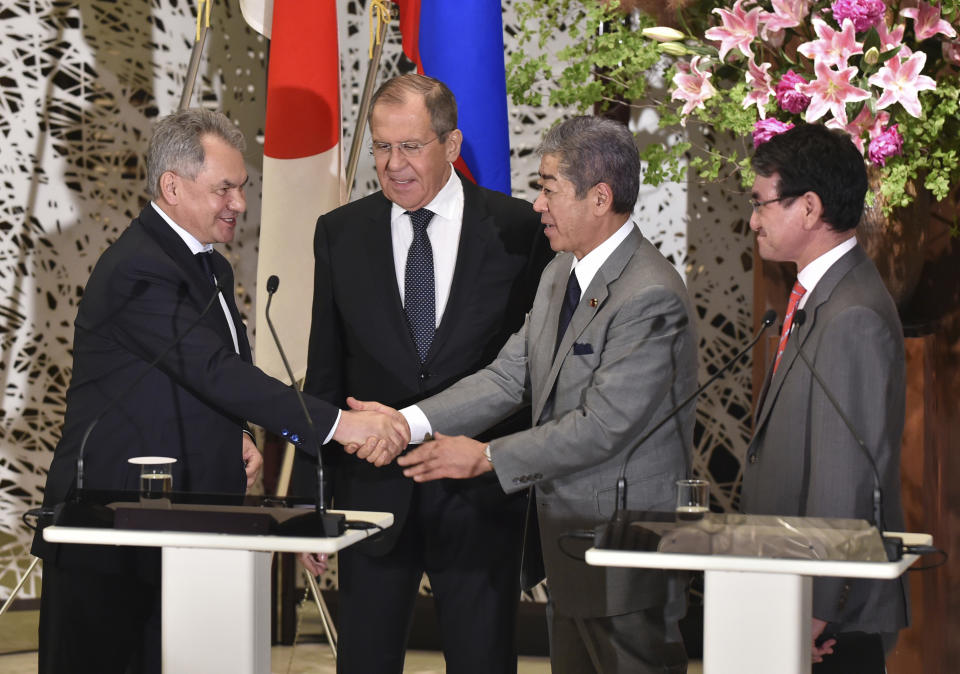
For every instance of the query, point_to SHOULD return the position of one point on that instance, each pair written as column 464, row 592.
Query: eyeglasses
column 755, row 205
column 408, row 148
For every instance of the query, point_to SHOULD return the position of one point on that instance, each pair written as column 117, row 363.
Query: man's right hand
column 374, row 432
column 314, row 562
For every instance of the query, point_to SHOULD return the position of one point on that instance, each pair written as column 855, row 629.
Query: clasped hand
column 373, row 432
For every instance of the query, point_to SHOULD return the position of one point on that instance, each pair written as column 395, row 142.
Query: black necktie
column 205, row 258
column 570, row 301
column 419, row 299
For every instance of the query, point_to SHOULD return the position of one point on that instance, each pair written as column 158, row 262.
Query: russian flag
column 461, row 44
column 302, row 176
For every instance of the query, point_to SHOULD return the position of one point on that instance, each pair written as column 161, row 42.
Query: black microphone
column 799, row 317
column 150, row 366
column 331, row 524
column 621, row 493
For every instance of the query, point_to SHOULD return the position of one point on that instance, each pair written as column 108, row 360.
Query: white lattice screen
column 81, row 84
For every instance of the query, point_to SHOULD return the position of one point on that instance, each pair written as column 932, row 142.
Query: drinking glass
column 156, row 475
column 693, row 497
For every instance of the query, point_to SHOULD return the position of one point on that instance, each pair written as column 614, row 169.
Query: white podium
column 216, row 589
column 757, row 610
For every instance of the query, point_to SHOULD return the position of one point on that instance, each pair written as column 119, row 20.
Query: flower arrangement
column 886, row 72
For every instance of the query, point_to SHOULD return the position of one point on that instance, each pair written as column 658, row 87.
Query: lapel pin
column 593, row 302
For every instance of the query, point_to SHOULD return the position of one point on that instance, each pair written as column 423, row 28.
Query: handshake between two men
column 377, row 434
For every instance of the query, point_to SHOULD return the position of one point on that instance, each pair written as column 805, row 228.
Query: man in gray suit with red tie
column 606, row 351
column 803, row 460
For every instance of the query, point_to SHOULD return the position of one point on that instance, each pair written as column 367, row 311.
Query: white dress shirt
column 810, row 275
column 588, row 266
column 444, row 233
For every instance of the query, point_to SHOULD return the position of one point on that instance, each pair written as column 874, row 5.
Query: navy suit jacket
column 145, row 292
column 360, row 344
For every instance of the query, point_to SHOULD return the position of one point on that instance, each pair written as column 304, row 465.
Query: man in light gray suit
column 803, row 460
column 606, row 351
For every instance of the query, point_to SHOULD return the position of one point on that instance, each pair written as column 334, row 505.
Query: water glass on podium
column 156, row 475
column 693, row 498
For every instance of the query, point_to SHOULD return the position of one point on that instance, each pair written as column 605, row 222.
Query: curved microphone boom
column 152, row 364
column 799, row 318
column 331, row 524
column 621, row 494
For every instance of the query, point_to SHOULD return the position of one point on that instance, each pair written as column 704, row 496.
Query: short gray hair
column 437, row 98
column 177, row 143
column 594, row 150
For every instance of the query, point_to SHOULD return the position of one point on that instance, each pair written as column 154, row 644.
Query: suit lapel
column 820, row 294
column 199, row 286
column 171, row 244
column 542, row 335
column 585, row 312
column 381, row 277
column 475, row 231
column 224, row 273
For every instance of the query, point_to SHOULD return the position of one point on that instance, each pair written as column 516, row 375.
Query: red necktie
column 795, row 295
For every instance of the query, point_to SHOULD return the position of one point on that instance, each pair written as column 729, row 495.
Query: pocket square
column 582, row 349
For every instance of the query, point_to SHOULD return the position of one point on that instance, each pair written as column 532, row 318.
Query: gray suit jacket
column 804, row 461
column 627, row 358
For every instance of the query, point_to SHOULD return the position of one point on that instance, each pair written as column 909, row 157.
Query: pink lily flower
column 890, row 39
column 739, row 29
column 865, row 123
column 765, row 129
column 831, row 91
column 901, row 81
column 692, row 85
column 927, row 21
column 785, row 14
column 834, row 47
column 761, row 87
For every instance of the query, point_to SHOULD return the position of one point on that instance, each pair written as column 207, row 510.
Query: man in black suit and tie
column 417, row 286
column 807, row 200
column 161, row 285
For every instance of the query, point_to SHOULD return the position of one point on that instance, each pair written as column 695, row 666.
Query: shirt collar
column 810, row 275
column 588, row 266
column 443, row 204
column 188, row 238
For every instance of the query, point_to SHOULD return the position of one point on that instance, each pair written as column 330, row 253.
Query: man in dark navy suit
column 161, row 284
column 417, row 286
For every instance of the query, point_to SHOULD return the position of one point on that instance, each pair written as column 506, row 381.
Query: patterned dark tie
column 419, row 299
column 206, row 263
column 570, row 301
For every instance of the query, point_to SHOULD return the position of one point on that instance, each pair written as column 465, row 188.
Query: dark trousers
column 643, row 642
column 856, row 653
column 471, row 557
column 98, row 623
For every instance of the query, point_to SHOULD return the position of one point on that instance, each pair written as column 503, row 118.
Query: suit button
column 424, row 376
column 753, row 458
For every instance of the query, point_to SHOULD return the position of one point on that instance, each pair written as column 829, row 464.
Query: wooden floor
column 310, row 656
